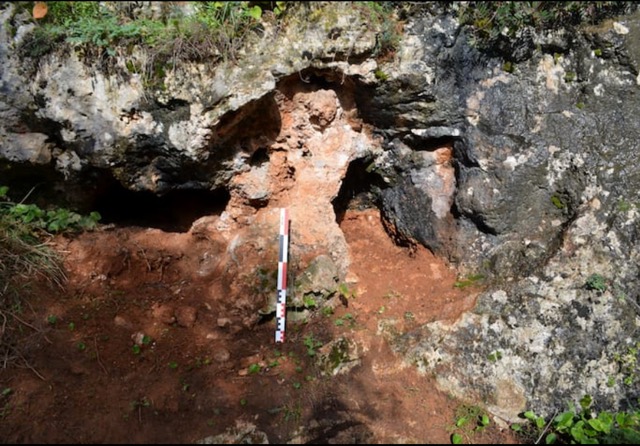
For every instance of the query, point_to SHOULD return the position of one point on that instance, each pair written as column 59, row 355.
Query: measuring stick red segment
column 281, row 302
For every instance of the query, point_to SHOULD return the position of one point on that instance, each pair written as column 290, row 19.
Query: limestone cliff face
column 527, row 176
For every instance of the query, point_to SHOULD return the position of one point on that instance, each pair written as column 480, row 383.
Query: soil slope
column 140, row 348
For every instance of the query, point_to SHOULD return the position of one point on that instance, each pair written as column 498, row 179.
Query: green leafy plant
column 52, row 319
column 26, row 256
column 624, row 206
column 309, row 302
column 348, row 317
column 273, row 363
column 327, row 310
column 469, row 419
column 254, row 368
column 628, row 363
column 596, row 282
column 214, row 31
column 380, row 75
column 584, row 426
column 508, row 67
column 492, row 23
column 30, row 220
column 312, row 344
column 140, row 403
column 292, row 413
column 381, row 16
column 346, row 292
column 557, row 202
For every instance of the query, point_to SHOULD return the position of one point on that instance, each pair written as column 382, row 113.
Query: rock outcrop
column 526, row 175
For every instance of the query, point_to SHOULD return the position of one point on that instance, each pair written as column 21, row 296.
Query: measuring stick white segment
column 281, row 302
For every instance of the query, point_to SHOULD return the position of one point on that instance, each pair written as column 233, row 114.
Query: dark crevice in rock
column 259, row 157
column 255, row 125
column 175, row 104
column 39, row 184
column 360, row 188
column 342, row 432
column 341, row 56
column 428, row 144
column 173, row 212
column 314, row 79
column 475, row 218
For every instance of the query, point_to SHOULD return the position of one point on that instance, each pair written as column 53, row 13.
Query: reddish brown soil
column 83, row 382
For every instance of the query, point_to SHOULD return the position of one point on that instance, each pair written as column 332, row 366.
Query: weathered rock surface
column 528, row 176
column 545, row 203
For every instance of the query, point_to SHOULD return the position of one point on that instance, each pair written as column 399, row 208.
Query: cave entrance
column 360, row 188
column 172, row 212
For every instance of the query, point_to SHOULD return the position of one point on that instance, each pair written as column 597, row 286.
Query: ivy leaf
column 597, row 424
column 255, row 12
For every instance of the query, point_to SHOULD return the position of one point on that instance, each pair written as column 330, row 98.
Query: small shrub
column 493, row 22
column 216, row 31
column 596, row 282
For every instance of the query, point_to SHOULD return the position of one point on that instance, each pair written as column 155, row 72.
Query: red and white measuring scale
column 281, row 302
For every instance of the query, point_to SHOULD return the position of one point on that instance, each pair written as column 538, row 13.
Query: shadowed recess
column 360, row 188
column 173, row 212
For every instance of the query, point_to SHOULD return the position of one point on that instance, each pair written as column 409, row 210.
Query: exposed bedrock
column 527, row 176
